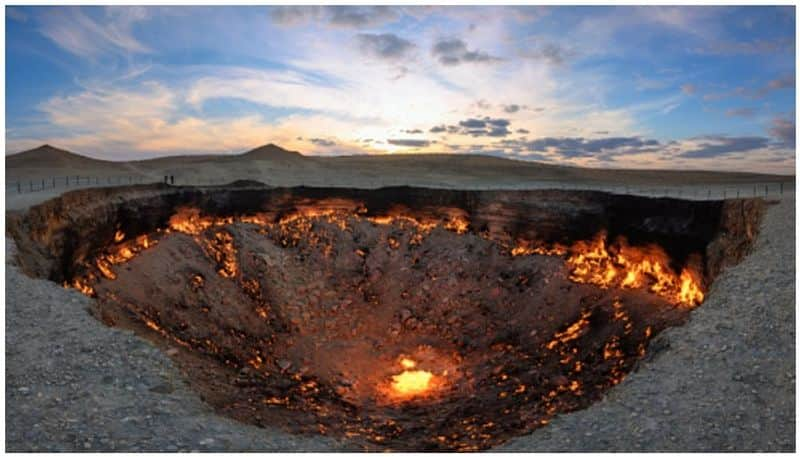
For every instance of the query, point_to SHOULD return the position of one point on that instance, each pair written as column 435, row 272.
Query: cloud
column 523, row 131
column 572, row 147
column 293, row 15
column 513, row 108
column 413, row 131
column 337, row 16
column 483, row 105
column 715, row 146
column 74, row 31
column 688, row 89
column 473, row 123
column 754, row 47
column 361, row 16
column 477, row 127
column 740, row 112
column 550, row 53
column 149, row 118
column 445, row 128
column 410, row 143
column 453, row 51
column 786, row 82
column 384, row 45
column 322, row 142
column 784, row 130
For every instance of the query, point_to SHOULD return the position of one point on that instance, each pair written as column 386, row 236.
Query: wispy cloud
column 755, row 47
column 411, row 143
column 338, row 16
column 740, row 112
column 75, row 31
column 784, row 129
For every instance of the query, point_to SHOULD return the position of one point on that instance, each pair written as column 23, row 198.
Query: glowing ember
column 412, row 383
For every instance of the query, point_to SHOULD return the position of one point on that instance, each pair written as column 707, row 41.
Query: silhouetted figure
column 171, row 179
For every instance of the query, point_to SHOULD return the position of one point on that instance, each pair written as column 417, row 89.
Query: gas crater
column 396, row 318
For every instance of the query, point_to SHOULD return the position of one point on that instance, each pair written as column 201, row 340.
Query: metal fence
column 688, row 191
column 19, row 186
column 720, row 191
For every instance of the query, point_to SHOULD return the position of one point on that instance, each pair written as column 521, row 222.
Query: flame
column 458, row 224
column 82, row 286
column 524, row 248
column 411, row 383
column 401, row 219
column 189, row 221
column 572, row 332
column 594, row 261
column 625, row 266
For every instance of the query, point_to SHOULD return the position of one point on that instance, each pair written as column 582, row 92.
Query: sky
column 614, row 87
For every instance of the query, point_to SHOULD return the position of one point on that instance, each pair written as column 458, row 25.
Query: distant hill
column 292, row 168
column 270, row 152
column 47, row 156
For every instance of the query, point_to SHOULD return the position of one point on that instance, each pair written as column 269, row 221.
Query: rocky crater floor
column 75, row 384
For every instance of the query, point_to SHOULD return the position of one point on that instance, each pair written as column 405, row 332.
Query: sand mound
column 47, row 156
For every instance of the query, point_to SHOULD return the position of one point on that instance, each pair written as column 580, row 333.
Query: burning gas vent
column 450, row 322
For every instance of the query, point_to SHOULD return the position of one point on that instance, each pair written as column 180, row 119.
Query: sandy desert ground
column 724, row 381
column 275, row 166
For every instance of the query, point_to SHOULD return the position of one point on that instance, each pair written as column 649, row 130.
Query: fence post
column 781, row 188
column 737, row 193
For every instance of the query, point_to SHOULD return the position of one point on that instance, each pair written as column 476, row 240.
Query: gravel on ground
column 73, row 384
